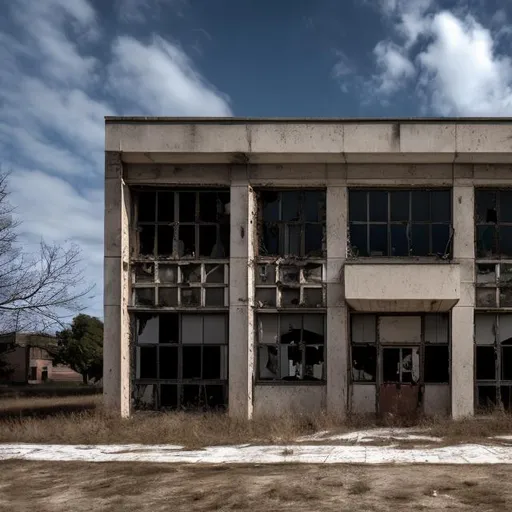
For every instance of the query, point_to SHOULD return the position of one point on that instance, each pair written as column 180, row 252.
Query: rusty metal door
column 399, row 389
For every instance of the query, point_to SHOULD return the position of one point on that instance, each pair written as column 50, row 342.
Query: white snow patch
column 371, row 435
column 311, row 454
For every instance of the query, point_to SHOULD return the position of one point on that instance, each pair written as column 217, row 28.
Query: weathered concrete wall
column 17, row 360
column 279, row 399
column 436, row 400
column 363, row 399
column 462, row 355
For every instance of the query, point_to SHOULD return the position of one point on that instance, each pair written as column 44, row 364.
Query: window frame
column 281, row 381
column 410, row 223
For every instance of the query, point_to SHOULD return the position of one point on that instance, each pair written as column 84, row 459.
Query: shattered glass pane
column 214, row 273
column 364, row 363
column 187, row 241
column 486, row 397
column 485, row 201
column 147, row 328
column 289, row 274
column 486, row 297
column 271, row 239
column 486, row 273
column 265, row 274
column 265, row 297
column 357, row 205
column 144, row 396
column 268, row 362
column 144, row 272
column 486, row 238
column 313, row 297
column 190, row 273
column 191, row 296
column 312, row 273
column 290, row 297
column 168, row 274
column 144, row 296
column 505, row 273
column 505, row 329
column 313, row 328
column 484, row 329
column 165, row 206
column 210, row 245
column 168, row 296
column 267, row 328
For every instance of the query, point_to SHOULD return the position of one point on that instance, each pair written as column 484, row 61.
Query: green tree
column 81, row 347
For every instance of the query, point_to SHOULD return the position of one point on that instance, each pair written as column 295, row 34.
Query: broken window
column 180, row 284
column 183, row 223
column 493, row 359
column 298, row 285
column 493, row 212
column 363, row 334
column 400, row 365
column 291, row 347
column 292, row 223
column 400, row 222
column 493, row 285
column 183, row 357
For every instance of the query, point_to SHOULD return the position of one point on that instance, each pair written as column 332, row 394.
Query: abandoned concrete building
column 270, row 265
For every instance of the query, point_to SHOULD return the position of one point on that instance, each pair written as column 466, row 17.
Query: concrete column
column 337, row 332
column 116, row 340
column 241, row 286
column 462, row 353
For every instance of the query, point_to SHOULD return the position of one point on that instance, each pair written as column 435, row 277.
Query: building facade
column 270, row 265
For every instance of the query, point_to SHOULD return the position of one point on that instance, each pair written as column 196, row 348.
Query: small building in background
column 27, row 359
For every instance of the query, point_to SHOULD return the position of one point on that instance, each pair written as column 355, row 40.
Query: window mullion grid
column 368, row 222
column 388, row 230
column 409, row 225
column 278, row 343
column 176, row 234
column 497, row 359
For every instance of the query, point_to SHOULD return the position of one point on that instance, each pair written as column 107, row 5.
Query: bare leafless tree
column 39, row 291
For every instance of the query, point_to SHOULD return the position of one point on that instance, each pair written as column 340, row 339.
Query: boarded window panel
column 485, row 363
column 191, row 329
column 484, row 329
column 436, row 329
column 215, row 331
column 486, row 297
column 364, row 329
column 357, row 205
column 437, row 363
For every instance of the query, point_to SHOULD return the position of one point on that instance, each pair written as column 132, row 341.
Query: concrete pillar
column 462, row 353
column 337, row 332
column 241, row 286
column 116, row 340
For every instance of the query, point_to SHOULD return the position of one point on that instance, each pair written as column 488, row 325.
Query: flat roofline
column 255, row 120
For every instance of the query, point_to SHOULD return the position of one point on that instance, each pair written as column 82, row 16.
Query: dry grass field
column 113, row 487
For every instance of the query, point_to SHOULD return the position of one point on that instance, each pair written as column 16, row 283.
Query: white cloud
column 160, row 79
column 138, row 11
column 459, row 69
column 52, row 108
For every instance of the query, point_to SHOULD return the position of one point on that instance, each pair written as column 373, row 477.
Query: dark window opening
column 148, row 366
column 437, row 364
column 292, row 223
column 400, row 222
column 364, row 363
column 485, row 363
column 486, row 397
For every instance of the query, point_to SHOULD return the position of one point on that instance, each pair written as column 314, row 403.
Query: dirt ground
column 52, row 487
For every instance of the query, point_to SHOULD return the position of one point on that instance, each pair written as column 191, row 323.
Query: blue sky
column 68, row 63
